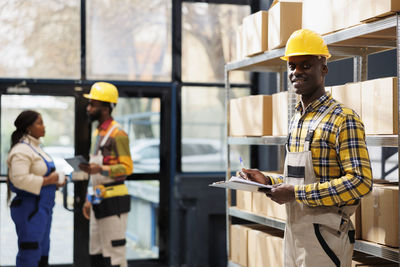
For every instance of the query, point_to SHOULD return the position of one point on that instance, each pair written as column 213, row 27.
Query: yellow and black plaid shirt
column 339, row 153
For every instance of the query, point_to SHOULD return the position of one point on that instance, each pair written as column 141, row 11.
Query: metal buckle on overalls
column 309, row 136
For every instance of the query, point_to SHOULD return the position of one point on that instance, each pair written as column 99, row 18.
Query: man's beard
column 95, row 116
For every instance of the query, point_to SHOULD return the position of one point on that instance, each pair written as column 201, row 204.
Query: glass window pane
column 40, row 39
column 140, row 118
column 58, row 115
column 142, row 230
column 203, row 130
column 129, row 40
column 208, row 41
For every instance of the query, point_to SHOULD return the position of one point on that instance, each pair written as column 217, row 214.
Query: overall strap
column 105, row 138
column 314, row 124
column 49, row 164
column 37, row 152
column 294, row 123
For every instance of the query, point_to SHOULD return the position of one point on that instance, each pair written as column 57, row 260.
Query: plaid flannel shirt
column 339, row 154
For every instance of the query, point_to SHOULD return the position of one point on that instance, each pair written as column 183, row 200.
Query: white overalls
column 107, row 234
column 314, row 236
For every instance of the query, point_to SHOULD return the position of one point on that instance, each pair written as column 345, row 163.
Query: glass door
column 140, row 118
column 58, row 114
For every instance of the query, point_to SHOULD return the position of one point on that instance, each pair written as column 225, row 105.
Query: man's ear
column 324, row 69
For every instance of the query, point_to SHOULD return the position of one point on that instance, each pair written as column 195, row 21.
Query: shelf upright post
column 357, row 62
column 280, row 83
column 398, row 97
column 360, row 70
column 364, row 65
column 228, row 161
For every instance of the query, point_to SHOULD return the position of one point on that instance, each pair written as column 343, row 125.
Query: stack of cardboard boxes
column 260, row 204
column 334, row 15
column 375, row 101
column 380, row 215
column 256, row 246
column 259, row 115
column 376, row 220
column 268, row 30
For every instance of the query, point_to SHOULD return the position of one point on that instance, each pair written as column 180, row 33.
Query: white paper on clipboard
column 75, row 161
column 237, row 183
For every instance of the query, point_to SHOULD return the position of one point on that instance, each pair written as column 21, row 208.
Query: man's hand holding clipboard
column 280, row 193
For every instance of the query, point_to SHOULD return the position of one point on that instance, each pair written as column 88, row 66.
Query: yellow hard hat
column 305, row 42
column 103, row 91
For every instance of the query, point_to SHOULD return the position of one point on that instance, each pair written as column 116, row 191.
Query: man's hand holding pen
column 254, row 175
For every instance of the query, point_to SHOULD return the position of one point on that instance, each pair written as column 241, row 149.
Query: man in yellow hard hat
column 110, row 163
column 327, row 167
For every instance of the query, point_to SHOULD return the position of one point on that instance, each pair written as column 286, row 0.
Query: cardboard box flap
column 276, row 1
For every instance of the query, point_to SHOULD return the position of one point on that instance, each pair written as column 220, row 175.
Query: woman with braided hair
column 32, row 177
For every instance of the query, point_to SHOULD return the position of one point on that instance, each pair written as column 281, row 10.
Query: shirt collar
column 31, row 140
column 315, row 104
column 105, row 124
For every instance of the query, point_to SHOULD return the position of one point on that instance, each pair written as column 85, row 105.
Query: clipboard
column 75, row 161
column 237, row 183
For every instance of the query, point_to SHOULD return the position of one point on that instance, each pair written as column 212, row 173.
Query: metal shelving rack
column 356, row 42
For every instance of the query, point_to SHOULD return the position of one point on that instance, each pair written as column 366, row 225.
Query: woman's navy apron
column 32, row 216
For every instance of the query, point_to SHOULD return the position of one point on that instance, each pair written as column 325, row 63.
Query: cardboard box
column 239, row 241
column 238, row 244
column 244, row 200
column 236, row 124
column 258, row 205
column 265, row 206
column 349, row 95
column 318, row 15
column 283, row 19
column 380, row 216
column 326, row 16
column 239, row 43
column 257, row 115
column 265, row 248
column 274, row 210
column 356, row 219
column 251, row 116
column 379, row 106
column 275, row 255
column 255, row 33
column 372, row 9
column 280, row 120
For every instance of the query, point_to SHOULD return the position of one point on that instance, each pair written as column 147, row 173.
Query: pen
column 241, row 162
